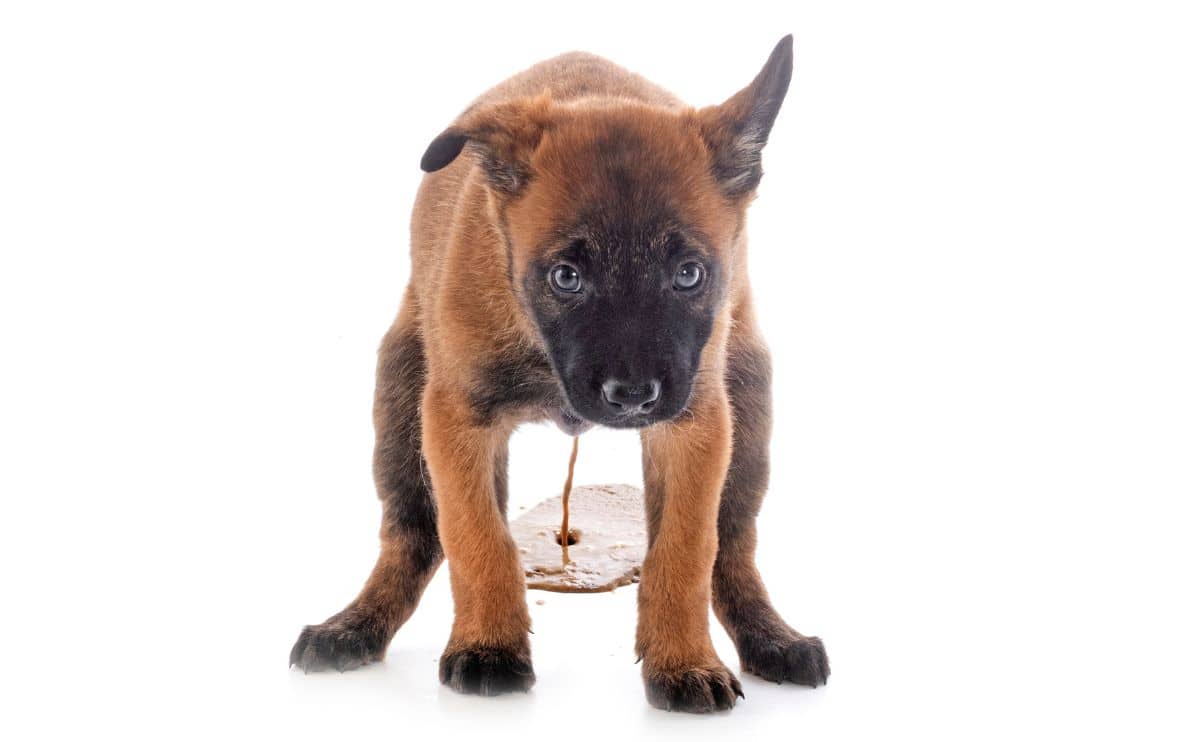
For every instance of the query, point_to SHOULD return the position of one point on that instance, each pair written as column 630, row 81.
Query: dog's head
column 621, row 220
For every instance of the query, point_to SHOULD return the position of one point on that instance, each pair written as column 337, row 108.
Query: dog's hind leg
column 409, row 548
column 767, row 646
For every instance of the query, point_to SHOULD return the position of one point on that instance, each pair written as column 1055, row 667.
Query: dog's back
column 577, row 75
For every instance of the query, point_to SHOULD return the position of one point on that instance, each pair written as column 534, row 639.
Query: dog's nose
column 625, row 398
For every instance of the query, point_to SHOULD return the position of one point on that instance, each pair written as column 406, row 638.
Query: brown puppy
column 584, row 261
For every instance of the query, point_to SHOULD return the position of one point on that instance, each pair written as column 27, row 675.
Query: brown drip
column 564, row 535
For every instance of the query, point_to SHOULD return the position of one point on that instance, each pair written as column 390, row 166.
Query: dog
column 579, row 255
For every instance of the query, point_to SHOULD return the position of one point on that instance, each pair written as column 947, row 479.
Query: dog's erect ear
column 736, row 131
column 503, row 136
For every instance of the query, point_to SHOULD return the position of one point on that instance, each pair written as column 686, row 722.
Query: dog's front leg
column 684, row 463
column 488, row 652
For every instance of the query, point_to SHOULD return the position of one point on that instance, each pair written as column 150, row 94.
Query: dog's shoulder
column 513, row 379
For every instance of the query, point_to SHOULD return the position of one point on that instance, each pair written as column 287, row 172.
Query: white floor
column 932, row 633
column 974, row 255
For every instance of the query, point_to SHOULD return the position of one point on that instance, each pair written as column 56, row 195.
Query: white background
column 975, row 256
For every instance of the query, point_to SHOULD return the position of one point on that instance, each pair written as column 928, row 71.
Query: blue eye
column 688, row 276
column 565, row 278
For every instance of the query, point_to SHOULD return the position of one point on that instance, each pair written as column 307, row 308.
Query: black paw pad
column 342, row 643
column 486, row 671
column 795, row 660
column 697, row 691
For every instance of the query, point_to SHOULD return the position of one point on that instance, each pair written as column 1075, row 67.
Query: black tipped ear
column 767, row 91
column 443, row 150
column 501, row 136
column 737, row 130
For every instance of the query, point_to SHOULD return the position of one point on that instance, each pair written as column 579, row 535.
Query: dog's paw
column 342, row 643
column 486, row 671
column 696, row 690
column 795, row 659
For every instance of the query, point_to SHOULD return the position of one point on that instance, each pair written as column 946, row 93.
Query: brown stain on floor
column 609, row 530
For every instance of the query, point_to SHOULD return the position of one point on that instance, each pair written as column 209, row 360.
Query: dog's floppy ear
column 736, row 131
column 503, row 136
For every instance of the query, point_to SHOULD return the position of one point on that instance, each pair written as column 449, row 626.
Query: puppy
column 579, row 255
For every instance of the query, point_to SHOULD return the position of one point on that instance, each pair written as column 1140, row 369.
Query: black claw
column 345, row 642
column 297, row 648
column 796, row 659
column 487, row 671
column 697, row 691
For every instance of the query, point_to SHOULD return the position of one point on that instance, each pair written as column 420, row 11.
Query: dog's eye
column 688, row 276
column 565, row 278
